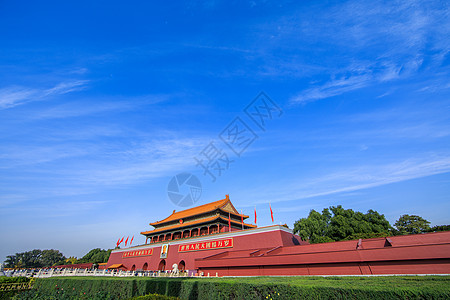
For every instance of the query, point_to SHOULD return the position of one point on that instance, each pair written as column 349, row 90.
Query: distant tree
column 35, row 259
column 71, row 260
column 312, row 228
column 371, row 235
column 46, row 258
column 52, row 258
column 29, row 259
column 107, row 254
column 96, row 255
column 336, row 224
column 412, row 224
column 439, row 228
column 12, row 261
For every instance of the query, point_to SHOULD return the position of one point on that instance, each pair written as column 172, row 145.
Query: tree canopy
column 412, row 224
column 336, row 224
column 46, row 258
column 35, row 259
column 96, row 255
column 439, row 228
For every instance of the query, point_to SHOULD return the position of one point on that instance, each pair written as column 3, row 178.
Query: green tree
column 439, row 228
column 107, row 254
column 35, row 259
column 412, row 224
column 336, row 224
column 71, row 260
column 52, row 258
column 313, row 228
column 28, row 259
column 96, row 255
column 12, row 261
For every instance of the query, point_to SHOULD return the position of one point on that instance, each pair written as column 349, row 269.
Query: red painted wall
column 414, row 254
column 254, row 239
column 274, row 250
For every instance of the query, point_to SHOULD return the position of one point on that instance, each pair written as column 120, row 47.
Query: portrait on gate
column 164, row 250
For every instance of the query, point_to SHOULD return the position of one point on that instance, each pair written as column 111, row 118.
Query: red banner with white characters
column 225, row 243
column 136, row 253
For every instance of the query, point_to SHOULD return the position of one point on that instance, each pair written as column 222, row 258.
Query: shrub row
column 4, row 279
column 154, row 297
column 245, row 289
column 5, row 293
column 242, row 288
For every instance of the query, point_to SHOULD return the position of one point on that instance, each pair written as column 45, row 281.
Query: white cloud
column 350, row 180
column 84, row 107
column 333, row 88
column 158, row 158
column 396, row 39
column 66, row 87
column 95, row 167
column 15, row 96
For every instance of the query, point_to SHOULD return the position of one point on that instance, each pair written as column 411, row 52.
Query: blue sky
column 101, row 104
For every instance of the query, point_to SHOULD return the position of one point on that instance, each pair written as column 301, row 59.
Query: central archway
column 162, row 265
column 145, row 267
column 133, row 268
column 182, row 266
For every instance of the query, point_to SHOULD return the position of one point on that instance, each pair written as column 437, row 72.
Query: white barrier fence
column 45, row 273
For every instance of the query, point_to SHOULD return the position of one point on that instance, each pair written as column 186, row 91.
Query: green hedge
column 154, row 297
column 392, row 287
column 4, row 279
column 6, row 295
column 415, row 287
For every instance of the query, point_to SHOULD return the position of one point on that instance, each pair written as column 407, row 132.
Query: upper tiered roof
column 224, row 205
column 215, row 216
column 193, row 223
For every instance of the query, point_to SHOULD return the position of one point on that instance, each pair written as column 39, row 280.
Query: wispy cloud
column 16, row 95
column 7, row 199
column 96, row 166
column 394, row 38
column 333, row 88
column 13, row 156
column 360, row 77
column 85, row 107
column 158, row 158
column 66, row 87
column 13, row 96
column 56, row 209
column 351, row 180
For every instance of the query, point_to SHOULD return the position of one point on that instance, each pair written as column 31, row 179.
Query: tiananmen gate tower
column 202, row 220
column 215, row 240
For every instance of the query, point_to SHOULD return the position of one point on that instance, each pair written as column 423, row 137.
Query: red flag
column 131, row 240
column 255, row 214
column 126, row 241
column 118, row 242
column 229, row 222
column 121, row 241
column 271, row 212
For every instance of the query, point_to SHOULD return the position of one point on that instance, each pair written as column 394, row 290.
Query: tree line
column 47, row 258
column 336, row 224
column 333, row 224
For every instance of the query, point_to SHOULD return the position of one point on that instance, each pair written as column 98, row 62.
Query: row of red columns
column 158, row 239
